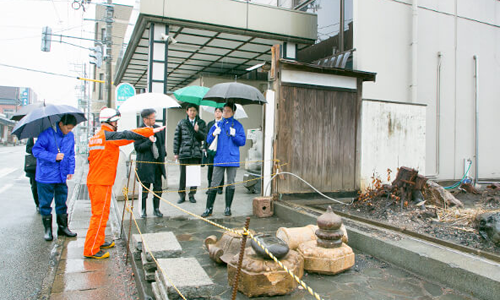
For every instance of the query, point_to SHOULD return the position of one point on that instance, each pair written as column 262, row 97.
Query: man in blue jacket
column 227, row 157
column 55, row 154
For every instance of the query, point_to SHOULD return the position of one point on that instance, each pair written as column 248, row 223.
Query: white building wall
column 393, row 135
column 458, row 29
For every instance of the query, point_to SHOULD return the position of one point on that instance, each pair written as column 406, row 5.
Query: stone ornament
column 263, row 277
column 274, row 245
column 221, row 251
column 328, row 254
column 294, row 236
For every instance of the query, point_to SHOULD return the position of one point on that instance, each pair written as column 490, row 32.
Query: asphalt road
column 24, row 259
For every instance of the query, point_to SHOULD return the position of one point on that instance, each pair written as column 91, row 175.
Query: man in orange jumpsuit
column 103, row 158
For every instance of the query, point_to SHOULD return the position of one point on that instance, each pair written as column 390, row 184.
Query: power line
column 39, row 71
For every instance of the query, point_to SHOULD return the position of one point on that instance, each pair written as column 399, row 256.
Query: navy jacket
column 228, row 147
column 48, row 170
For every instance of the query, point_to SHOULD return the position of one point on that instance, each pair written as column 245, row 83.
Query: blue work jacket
column 228, row 152
column 48, row 170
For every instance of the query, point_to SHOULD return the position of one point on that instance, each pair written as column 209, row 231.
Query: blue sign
column 123, row 92
column 25, row 97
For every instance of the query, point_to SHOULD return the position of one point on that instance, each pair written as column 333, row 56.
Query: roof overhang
column 213, row 38
column 363, row 75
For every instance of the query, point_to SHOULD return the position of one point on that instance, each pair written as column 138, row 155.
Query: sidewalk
column 77, row 277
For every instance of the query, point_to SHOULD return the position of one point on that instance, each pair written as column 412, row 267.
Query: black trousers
column 182, row 179
column 157, row 185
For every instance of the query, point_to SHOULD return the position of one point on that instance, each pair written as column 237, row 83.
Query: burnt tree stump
column 405, row 183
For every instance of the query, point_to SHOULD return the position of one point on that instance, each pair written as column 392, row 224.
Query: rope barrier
column 245, row 232
column 200, row 164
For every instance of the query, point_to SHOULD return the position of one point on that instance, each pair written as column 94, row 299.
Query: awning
column 212, row 38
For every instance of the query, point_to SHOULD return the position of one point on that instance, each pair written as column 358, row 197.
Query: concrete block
column 263, row 207
column 187, row 275
column 161, row 286
column 137, row 242
column 161, row 245
column 149, row 266
column 149, row 275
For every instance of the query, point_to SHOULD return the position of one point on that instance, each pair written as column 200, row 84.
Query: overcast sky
column 21, row 23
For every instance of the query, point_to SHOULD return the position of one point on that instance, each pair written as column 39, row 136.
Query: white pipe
column 438, row 115
column 476, row 100
column 414, row 51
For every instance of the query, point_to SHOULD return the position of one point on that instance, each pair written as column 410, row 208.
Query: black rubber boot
column 182, row 198
column 210, row 203
column 144, row 206
column 47, row 224
column 229, row 201
column 62, row 226
column 156, row 206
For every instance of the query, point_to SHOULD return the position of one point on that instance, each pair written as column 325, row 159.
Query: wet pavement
column 78, row 277
column 75, row 277
column 370, row 278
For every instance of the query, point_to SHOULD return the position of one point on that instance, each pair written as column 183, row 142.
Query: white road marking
column 5, row 187
column 6, row 171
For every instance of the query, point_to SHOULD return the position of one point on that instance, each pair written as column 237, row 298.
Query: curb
column 467, row 273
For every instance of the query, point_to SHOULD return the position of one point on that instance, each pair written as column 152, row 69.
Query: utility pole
column 109, row 44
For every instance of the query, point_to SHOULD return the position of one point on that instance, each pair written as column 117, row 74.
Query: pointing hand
column 158, row 129
column 216, row 131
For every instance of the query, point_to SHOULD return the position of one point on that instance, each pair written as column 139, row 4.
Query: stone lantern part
column 329, row 234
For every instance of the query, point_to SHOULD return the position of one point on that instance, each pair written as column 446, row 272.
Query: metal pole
column 126, row 198
column 130, row 223
column 109, row 44
column 240, row 260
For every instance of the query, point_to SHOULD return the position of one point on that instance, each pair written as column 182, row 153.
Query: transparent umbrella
column 148, row 100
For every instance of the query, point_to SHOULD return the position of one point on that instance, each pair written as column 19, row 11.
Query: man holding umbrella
column 55, row 154
column 227, row 158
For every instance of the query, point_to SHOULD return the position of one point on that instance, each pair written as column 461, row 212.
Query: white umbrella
column 148, row 100
column 239, row 114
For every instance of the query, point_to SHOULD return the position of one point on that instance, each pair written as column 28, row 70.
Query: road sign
column 25, row 97
column 123, row 92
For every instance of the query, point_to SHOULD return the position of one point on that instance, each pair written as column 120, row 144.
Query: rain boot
column 229, row 201
column 47, row 224
column 62, row 226
column 156, row 206
column 210, row 203
column 144, row 201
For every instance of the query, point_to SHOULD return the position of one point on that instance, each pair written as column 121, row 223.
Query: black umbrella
column 42, row 118
column 236, row 93
column 26, row 110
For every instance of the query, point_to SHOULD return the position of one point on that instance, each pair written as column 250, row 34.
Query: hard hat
column 109, row 115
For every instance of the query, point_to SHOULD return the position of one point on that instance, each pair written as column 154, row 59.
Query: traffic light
column 46, row 38
column 97, row 55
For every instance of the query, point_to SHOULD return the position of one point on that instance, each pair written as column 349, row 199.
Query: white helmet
column 109, row 115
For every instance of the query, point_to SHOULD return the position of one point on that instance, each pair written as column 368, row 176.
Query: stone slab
column 161, row 245
column 187, row 275
column 149, row 266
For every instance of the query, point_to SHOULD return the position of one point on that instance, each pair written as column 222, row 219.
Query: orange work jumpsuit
column 103, row 158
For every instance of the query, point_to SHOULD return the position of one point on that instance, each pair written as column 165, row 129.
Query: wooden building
column 317, row 126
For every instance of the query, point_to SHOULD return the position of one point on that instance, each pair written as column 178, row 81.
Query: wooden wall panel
column 316, row 137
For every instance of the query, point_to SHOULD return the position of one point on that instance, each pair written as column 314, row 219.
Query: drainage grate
column 83, row 192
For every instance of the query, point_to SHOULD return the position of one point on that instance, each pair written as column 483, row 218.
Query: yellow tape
column 214, row 164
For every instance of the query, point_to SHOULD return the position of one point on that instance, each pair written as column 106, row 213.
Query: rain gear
column 228, row 152
column 48, row 170
column 103, row 158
